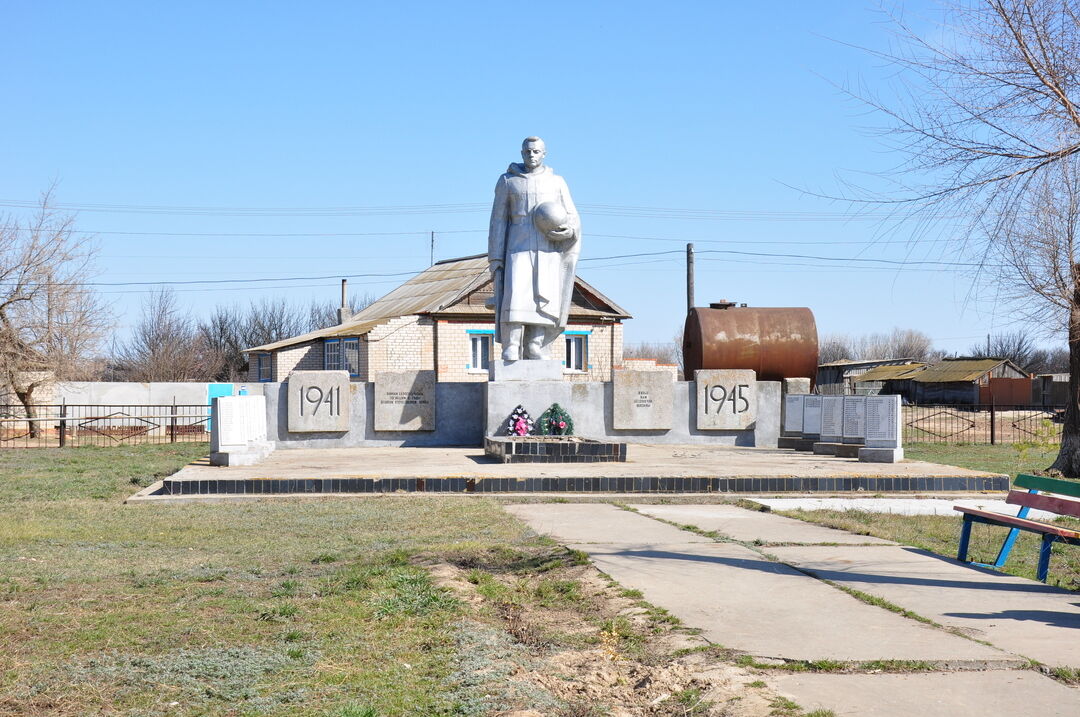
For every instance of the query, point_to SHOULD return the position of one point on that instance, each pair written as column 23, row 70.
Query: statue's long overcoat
column 538, row 276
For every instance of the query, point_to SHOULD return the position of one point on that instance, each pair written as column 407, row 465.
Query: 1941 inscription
column 318, row 401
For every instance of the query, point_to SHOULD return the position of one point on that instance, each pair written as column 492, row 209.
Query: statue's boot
column 512, row 335
column 536, row 345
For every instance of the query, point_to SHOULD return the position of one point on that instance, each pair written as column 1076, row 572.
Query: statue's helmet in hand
column 549, row 216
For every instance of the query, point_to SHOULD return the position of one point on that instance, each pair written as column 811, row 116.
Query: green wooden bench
column 1049, row 494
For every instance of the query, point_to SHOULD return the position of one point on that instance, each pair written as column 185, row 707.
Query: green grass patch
column 228, row 608
column 1007, row 458
column 93, row 472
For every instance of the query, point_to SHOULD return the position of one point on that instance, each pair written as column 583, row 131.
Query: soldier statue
column 533, row 244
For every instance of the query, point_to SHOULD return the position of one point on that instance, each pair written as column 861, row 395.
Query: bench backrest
column 1044, row 501
column 1042, row 484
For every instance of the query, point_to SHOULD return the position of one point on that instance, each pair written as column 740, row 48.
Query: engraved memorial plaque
column 832, row 418
column 854, row 419
column 642, row 400
column 405, row 401
column 882, row 421
column 793, row 413
column 811, row 416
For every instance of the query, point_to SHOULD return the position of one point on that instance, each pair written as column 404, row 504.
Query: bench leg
column 1044, row 556
column 1010, row 539
column 965, row 538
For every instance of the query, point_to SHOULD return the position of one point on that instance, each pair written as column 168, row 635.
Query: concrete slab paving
column 752, row 525
column 950, row 694
column 899, row 506
column 741, row 600
column 1021, row 616
column 642, row 460
column 598, row 523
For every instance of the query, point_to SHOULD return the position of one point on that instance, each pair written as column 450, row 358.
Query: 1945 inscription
column 726, row 399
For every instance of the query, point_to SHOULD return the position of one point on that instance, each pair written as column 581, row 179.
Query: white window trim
column 584, row 357
column 481, row 335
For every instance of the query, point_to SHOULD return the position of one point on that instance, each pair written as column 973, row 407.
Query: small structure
column 970, row 381
column 439, row 321
column 1050, row 389
column 838, row 378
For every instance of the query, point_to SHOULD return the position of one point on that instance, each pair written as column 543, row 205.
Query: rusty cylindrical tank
column 778, row 343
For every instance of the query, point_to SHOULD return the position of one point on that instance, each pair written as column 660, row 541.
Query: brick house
column 438, row 321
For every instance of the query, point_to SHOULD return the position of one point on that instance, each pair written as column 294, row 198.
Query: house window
column 263, row 367
column 576, row 352
column 342, row 355
column 480, row 352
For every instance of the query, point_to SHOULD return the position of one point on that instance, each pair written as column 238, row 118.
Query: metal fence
column 984, row 424
column 58, row 426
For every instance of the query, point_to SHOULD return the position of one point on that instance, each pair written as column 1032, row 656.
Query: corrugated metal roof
column 859, row 362
column 435, row 289
column 951, row 370
column 891, row 373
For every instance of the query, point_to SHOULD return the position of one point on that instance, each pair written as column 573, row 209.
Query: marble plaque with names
column 726, row 399
column 883, row 422
column 854, row 419
column 405, row 401
column 642, row 400
column 832, row 418
column 319, row 401
column 811, row 421
column 238, row 420
column 793, row 412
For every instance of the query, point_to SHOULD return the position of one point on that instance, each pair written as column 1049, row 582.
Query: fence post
column 993, row 422
column 172, row 422
column 63, row 424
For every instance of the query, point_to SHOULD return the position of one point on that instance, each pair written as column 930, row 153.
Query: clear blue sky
column 712, row 109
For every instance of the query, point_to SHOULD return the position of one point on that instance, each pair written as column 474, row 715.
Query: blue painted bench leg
column 965, row 538
column 1010, row 539
column 1044, row 556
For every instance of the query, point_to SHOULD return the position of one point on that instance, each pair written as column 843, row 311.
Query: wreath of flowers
column 556, row 422
column 520, row 424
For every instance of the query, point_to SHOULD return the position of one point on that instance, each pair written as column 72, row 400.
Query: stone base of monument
column 826, row 448
column 881, row 455
column 248, row 455
column 795, row 443
column 543, row 370
column 848, row 450
column 552, row 449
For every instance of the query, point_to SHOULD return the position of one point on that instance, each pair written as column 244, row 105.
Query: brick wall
column 406, row 343
column 302, row 357
column 455, row 351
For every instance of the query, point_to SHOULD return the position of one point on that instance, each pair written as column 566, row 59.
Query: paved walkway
column 763, row 591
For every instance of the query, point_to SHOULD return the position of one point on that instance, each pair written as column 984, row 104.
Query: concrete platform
column 899, row 506
column 1021, row 616
column 750, row 525
column 951, row 694
column 648, row 468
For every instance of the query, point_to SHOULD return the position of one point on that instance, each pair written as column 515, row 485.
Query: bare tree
column 900, row 343
column 991, row 131
column 165, row 345
column 324, row 314
column 1016, row 346
column 51, row 322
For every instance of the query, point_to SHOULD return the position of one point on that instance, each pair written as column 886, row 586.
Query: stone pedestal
column 526, row 370
column 826, row 448
column 881, row 455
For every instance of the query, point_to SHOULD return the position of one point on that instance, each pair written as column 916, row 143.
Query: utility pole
column 432, row 249
column 689, row 278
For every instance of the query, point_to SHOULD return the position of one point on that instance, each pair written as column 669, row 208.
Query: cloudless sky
column 672, row 122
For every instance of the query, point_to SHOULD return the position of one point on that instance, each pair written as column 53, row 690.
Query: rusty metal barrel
column 778, row 343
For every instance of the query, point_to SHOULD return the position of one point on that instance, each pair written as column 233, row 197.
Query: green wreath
column 556, row 422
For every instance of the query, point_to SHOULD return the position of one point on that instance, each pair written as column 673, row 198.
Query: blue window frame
column 480, row 346
column 264, row 368
column 342, row 355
